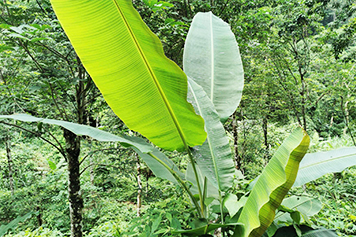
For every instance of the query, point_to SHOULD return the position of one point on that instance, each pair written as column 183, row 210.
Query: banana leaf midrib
column 152, row 74
column 211, row 151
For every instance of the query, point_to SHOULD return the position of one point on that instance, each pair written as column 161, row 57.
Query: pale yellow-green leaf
column 127, row 63
column 272, row 185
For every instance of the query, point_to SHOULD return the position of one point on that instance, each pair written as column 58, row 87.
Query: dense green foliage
column 299, row 66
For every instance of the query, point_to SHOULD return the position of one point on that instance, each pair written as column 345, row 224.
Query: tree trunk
column 39, row 216
column 147, row 178
column 243, row 145
column 303, row 92
column 9, row 163
column 237, row 157
column 139, row 184
column 265, row 136
column 75, row 198
column 76, row 202
column 265, row 131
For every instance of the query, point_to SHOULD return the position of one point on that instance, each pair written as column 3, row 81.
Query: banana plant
column 211, row 50
column 149, row 93
column 127, row 63
column 213, row 64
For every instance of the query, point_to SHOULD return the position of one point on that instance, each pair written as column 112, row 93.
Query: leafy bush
column 43, row 232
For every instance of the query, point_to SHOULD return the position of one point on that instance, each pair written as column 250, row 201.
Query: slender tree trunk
column 9, row 163
column 147, row 177
column 265, row 131
column 187, row 8
column 75, row 198
column 39, row 216
column 265, row 138
column 139, row 184
column 303, row 100
column 243, row 145
column 92, row 161
column 237, row 157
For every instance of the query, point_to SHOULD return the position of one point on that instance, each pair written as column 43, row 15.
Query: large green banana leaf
column 315, row 165
column 214, row 157
column 79, row 129
column 272, row 185
column 127, row 63
column 212, row 58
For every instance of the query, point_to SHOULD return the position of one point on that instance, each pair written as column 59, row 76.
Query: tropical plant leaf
column 212, row 58
column 315, row 165
column 14, row 223
column 155, row 224
column 272, row 185
column 320, row 233
column 157, row 168
column 214, row 157
column 294, row 209
column 232, row 204
column 51, row 164
column 304, row 205
column 127, row 63
column 79, row 129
